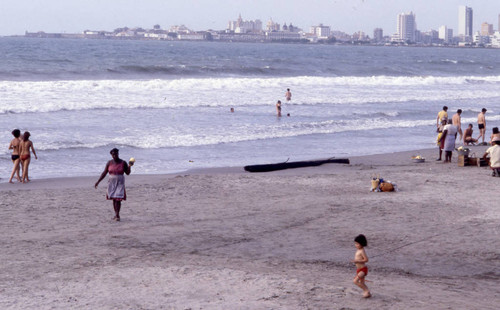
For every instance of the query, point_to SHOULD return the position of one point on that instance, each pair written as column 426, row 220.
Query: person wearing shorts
column 481, row 124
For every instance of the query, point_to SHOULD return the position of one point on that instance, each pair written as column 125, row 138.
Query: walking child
column 360, row 260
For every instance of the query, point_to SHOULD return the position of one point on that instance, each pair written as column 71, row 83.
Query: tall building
column 407, row 27
column 486, row 29
column 465, row 21
column 378, row 35
column 444, row 34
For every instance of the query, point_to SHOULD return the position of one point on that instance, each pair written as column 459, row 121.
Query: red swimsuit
column 364, row 269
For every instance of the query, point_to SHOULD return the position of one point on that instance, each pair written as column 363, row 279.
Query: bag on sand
column 386, row 187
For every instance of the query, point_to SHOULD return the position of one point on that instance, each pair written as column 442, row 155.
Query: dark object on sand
column 294, row 164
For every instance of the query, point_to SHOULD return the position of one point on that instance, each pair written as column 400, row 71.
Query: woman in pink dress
column 116, row 181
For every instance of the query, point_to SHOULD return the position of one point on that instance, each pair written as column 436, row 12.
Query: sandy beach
column 228, row 239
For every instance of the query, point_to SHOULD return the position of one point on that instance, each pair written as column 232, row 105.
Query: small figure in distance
column 232, row 110
column 25, row 147
column 468, row 136
column 360, row 260
column 116, row 182
column 495, row 134
column 441, row 115
column 494, row 152
column 278, row 108
column 16, row 158
column 457, row 122
column 481, row 124
column 288, row 95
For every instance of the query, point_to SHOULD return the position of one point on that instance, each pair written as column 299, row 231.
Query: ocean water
column 168, row 103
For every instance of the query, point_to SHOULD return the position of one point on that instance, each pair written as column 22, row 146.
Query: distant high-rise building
column 444, row 34
column 486, row 29
column 465, row 21
column 378, row 35
column 407, row 27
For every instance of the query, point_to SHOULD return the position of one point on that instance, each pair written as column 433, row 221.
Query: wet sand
column 228, row 239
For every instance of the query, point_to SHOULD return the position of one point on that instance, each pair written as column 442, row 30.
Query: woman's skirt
column 449, row 143
column 116, row 187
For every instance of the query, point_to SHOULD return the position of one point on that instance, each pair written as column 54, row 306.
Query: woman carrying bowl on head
column 116, row 168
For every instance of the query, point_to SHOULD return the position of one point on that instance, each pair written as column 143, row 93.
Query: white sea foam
column 171, row 138
column 49, row 96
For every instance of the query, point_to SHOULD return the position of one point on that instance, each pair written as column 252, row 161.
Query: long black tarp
column 294, row 164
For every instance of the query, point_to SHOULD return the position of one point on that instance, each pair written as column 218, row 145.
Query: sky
column 75, row 16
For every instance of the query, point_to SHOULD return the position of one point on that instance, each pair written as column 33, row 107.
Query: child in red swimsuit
column 360, row 260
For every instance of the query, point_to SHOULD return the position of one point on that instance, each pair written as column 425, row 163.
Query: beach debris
column 418, row 159
column 381, row 185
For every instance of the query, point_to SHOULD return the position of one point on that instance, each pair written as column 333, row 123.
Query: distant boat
column 294, row 164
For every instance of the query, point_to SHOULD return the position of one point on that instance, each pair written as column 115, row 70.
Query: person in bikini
column 278, row 108
column 16, row 160
column 360, row 260
column 25, row 146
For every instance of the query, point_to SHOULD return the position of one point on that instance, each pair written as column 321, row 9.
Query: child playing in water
column 360, row 260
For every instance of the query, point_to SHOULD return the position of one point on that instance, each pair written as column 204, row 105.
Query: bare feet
column 367, row 295
column 116, row 219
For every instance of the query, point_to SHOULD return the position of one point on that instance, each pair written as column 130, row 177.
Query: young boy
column 360, row 260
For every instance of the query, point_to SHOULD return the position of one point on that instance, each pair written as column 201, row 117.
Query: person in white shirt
column 494, row 153
column 449, row 136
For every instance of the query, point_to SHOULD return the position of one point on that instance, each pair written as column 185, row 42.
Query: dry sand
column 227, row 239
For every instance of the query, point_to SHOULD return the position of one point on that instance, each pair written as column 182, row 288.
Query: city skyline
column 344, row 15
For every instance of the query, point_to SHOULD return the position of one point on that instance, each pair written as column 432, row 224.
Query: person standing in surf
column 288, row 95
column 116, row 182
column 278, row 108
column 25, row 155
column 16, row 158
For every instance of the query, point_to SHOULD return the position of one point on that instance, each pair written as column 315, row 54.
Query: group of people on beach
column 448, row 129
column 21, row 147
